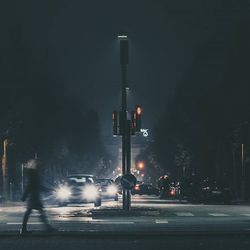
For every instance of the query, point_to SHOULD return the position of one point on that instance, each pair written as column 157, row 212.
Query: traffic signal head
column 117, row 123
column 136, row 119
column 138, row 110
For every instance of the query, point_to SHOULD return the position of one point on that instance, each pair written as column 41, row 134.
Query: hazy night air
column 60, row 78
column 125, row 124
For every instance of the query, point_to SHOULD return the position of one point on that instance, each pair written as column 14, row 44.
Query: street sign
column 128, row 181
column 144, row 132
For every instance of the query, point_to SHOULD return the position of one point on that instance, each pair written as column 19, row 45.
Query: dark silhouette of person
column 32, row 195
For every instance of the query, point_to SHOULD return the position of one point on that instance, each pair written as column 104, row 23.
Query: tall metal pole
column 124, row 121
column 242, row 173
column 125, row 133
column 128, row 163
column 22, row 172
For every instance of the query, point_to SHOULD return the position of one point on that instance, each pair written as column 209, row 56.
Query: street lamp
column 141, row 165
column 121, row 37
column 125, row 123
column 124, row 126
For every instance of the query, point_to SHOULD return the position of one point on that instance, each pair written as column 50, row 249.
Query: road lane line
column 245, row 215
column 20, row 223
column 218, row 214
column 184, row 214
column 161, row 221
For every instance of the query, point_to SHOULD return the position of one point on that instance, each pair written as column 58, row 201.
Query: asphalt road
column 153, row 217
column 152, row 224
column 126, row 243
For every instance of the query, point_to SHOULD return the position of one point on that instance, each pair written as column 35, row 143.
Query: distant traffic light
column 138, row 112
column 141, row 165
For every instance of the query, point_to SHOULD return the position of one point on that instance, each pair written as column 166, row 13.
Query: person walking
column 32, row 195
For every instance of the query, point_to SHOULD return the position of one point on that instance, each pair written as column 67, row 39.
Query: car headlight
column 90, row 192
column 63, row 192
column 112, row 190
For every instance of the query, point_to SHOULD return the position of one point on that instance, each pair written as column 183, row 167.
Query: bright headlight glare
column 90, row 192
column 112, row 190
column 63, row 193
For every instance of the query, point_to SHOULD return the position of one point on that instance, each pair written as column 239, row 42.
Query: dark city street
column 125, row 124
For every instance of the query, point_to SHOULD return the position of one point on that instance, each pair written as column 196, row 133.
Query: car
column 78, row 188
column 147, row 189
column 213, row 191
column 109, row 188
column 206, row 190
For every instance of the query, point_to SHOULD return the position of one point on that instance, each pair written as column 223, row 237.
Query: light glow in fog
column 90, row 192
column 63, row 193
column 112, row 190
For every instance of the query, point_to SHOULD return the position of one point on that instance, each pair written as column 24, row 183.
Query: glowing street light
column 121, row 37
column 141, row 165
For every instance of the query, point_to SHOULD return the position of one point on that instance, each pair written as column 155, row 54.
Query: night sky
column 71, row 46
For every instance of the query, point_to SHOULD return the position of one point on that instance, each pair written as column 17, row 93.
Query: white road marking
column 111, row 222
column 218, row 214
column 161, row 221
column 184, row 214
column 20, row 223
column 246, row 215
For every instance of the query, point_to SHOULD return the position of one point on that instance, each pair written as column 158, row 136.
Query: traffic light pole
column 124, row 121
column 128, row 159
column 126, row 145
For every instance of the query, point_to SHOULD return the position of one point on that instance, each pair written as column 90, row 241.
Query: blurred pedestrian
column 32, row 195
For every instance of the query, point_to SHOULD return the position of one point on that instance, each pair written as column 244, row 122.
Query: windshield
column 127, row 121
column 104, row 182
column 79, row 180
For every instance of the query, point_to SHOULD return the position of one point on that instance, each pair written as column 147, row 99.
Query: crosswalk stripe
column 218, row 214
column 184, row 214
column 111, row 222
column 161, row 221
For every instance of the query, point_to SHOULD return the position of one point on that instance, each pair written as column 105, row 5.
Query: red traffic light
column 138, row 110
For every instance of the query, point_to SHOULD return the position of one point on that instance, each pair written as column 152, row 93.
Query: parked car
column 205, row 191
column 215, row 191
column 142, row 189
column 109, row 188
column 78, row 188
column 190, row 189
